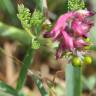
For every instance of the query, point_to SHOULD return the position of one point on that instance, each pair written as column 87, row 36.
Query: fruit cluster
column 77, row 61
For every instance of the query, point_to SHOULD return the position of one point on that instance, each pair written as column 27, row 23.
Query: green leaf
column 7, row 89
column 39, row 84
column 23, row 72
column 6, row 3
column 14, row 33
column 73, row 80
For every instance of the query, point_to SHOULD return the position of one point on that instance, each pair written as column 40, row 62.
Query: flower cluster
column 24, row 16
column 31, row 22
column 37, row 18
column 76, row 4
column 70, row 30
column 27, row 19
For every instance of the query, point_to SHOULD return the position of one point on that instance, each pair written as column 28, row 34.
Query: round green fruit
column 87, row 60
column 87, row 47
column 76, row 61
column 87, row 39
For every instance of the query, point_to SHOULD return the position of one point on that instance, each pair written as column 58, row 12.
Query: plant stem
column 73, row 80
column 23, row 72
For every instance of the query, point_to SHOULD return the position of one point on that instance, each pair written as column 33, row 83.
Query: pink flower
column 81, row 28
column 66, row 44
column 60, row 24
column 70, row 29
column 67, row 41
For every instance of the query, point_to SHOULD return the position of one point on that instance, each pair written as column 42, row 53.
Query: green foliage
column 37, row 18
column 73, row 80
column 15, row 34
column 26, row 63
column 8, row 13
column 76, row 4
column 72, row 73
column 39, row 5
column 11, row 10
column 7, row 89
column 39, row 84
column 24, row 16
column 31, row 22
column 36, row 44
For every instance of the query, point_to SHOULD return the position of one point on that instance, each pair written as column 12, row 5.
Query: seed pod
column 76, row 61
column 87, row 40
column 87, row 47
column 87, row 60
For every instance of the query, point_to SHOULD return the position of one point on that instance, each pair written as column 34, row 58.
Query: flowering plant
column 71, row 30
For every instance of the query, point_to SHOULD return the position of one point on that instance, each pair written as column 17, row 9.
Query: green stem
column 73, row 80
column 23, row 72
column 73, row 74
